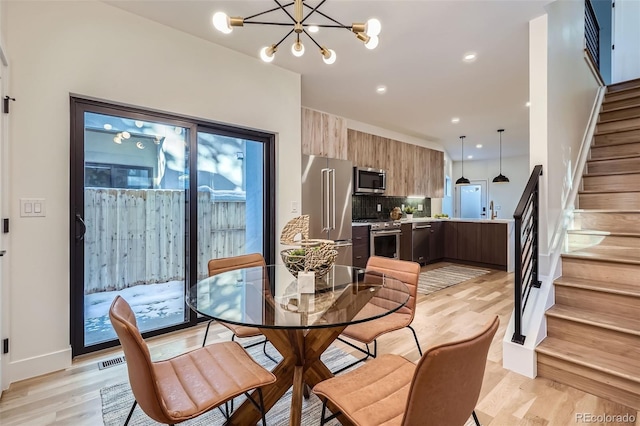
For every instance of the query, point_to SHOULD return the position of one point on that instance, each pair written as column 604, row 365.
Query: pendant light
column 462, row 180
column 500, row 178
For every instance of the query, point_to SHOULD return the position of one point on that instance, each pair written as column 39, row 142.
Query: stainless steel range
column 384, row 239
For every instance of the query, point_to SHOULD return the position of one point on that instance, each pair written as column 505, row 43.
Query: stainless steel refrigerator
column 327, row 185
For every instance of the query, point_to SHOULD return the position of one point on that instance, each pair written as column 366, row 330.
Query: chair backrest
column 447, row 381
column 405, row 271
column 139, row 364
column 218, row 266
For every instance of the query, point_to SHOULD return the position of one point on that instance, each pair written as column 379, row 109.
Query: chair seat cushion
column 207, row 377
column 368, row 331
column 242, row 330
column 374, row 394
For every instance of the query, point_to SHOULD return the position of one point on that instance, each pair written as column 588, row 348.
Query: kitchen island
column 477, row 242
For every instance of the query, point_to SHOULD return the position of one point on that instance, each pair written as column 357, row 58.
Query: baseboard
column 38, row 365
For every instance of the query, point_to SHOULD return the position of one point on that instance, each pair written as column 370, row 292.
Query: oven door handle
column 376, row 233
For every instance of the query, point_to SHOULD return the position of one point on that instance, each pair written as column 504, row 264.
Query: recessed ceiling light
column 313, row 28
column 479, row 145
column 528, row 104
column 107, row 126
column 139, row 124
column 470, row 57
column 381, row 89
column 455, row 120
column 469, row 157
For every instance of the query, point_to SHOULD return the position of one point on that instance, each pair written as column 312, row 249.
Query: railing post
column 536, row 231
column 517, row 308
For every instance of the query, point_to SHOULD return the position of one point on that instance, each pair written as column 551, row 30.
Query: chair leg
column 368, row 354
column 206, row 333
column 264, row 419
column 324, row 409
column 133, row 407
column 416, row 338
column 475, row 418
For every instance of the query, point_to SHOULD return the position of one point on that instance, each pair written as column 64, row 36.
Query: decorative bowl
column 312, row 259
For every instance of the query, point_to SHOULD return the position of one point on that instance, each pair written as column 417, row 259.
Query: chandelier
column 367, row 32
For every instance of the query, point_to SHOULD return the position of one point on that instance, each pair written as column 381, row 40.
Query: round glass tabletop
column 270, row 297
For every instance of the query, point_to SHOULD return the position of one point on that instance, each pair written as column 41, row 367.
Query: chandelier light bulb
column 372, row 43
column 373, row 27
column 328, row 55
column 267, row 53
column 297, row 49
column 221, row 22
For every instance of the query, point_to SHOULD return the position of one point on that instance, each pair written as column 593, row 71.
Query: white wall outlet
column 497, row 207
column 294, row 207
column 402, row 207
column 32, row 207
column 420, row 207
column 379, row 207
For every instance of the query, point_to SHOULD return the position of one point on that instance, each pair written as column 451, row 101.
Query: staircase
column 593, row 330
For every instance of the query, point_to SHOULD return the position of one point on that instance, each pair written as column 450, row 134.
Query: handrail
column 527, row 242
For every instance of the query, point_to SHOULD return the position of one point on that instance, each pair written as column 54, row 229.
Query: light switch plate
column 420, row 207
column 33, row 207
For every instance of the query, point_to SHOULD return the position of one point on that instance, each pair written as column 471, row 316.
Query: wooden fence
column 137, row 236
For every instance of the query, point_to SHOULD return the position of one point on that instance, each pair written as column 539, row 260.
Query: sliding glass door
column 133, row 175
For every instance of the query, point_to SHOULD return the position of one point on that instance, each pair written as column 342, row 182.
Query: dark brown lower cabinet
column 481, row 243
column 360, row 250
column 436, row 242
column 450, row 243
column 493, row 243
column 469, row 241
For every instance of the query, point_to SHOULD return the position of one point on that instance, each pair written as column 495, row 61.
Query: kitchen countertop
column 433, row 219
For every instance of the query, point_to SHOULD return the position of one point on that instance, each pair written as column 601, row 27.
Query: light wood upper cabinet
column 324, row 134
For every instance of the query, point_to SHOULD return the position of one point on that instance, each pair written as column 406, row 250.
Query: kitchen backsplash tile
column 365, row 206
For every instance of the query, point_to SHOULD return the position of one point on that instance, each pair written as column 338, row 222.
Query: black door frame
column 78, row 106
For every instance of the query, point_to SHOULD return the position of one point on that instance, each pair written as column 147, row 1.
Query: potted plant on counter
column 409, row 211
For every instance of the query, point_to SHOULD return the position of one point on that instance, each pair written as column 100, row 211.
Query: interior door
column 471, row 200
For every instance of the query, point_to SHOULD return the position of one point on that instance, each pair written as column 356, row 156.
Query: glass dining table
column 300, row 325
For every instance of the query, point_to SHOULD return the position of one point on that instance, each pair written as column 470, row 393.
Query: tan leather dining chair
column 442, row 389
column 218, row 266
column 186, row 386
column 367, row 332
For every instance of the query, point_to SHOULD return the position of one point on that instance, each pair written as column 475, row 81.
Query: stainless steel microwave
column 369, row 181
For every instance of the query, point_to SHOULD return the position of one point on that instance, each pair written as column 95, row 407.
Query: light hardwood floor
column 72, row 396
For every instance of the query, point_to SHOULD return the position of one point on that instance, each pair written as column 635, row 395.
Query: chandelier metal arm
column 312, row 39
column 282, row 24
column 328, row 17
column 267, row 11
column 285, row 11
column 312, row 10
column 283, row 38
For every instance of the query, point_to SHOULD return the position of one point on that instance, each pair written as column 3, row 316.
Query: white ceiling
column 419, row 59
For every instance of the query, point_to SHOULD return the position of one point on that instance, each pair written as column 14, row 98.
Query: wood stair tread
column 609, row 132
column 599, row 191
column 610, row 174
column 623, row 86
column 613, row 157
column 607, row 211
column 595, row 145
column 588, row 356
column 603, row 233
column 613, row 120
column 599, row 257
column 631, row 290
column 610, row 101
column 598, row 319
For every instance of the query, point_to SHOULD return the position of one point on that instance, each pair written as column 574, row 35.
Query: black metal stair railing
column 526, row 249
column 592, row 33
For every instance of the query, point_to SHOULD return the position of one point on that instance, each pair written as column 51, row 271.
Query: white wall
column 571, row 92
column 625, row 63
column 92, row 49
column 504, row 195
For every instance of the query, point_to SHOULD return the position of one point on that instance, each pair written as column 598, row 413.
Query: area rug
column 117, row 399
column 440, row 278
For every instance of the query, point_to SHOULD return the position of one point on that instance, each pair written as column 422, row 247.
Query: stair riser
column 611, row 182
column 621, row 94
column 621, row 103
column 600, row 271
column 622, row 137
column 614, row 166
column 585, row 334
column 622, row 114
column 589, row 380
column 608, row 222
column 597, row 301
column 608, row 245
column 614, row 201
column 615, row 150
column 614, row 126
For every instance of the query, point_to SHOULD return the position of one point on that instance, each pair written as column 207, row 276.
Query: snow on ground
column 155, row 306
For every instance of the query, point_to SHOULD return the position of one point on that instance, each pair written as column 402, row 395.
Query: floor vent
column 111, row 362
